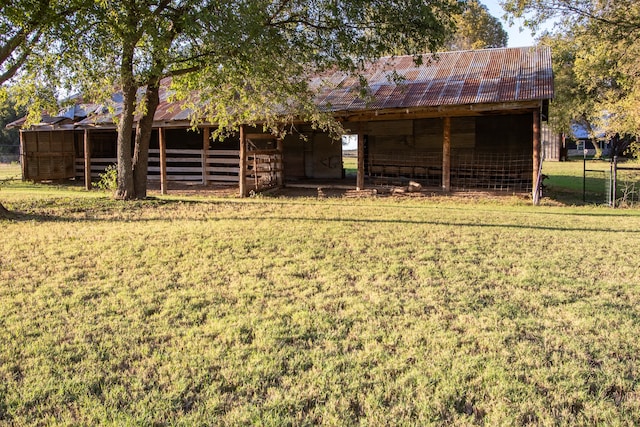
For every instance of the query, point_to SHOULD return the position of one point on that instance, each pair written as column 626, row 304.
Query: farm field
column 302, row 311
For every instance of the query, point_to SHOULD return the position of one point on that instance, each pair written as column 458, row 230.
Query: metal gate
column 611, row 182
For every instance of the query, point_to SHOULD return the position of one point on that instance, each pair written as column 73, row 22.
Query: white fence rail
column 98, row 166
column 217, row 166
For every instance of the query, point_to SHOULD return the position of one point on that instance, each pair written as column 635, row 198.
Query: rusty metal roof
column 444, row 79
column 449, row 78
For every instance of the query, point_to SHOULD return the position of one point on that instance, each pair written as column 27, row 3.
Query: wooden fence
column 264, row 169
column 98, row 166
column 211, row 166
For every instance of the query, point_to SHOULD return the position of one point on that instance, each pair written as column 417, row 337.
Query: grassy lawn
column 565, row 181
column 350, row 165
column 280, row 311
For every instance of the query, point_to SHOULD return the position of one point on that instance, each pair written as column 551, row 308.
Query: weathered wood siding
column 326, row 157
column 505, row 133
column 318, row 156
column 48, row 155
column 294, row 149
column 552, row 144
column 486, row 151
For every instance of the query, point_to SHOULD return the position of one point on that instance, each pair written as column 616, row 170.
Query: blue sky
column 517, row 38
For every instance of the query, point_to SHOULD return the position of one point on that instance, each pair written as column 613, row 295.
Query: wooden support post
column 87, row 160
column 162, row 145
column 280, row 164
column 23, row 156
column 446, row 155
column 537, row 145
column 242, row 176
column 360, row 172
column 205, row 153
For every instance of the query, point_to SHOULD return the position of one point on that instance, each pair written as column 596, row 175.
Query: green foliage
column 109, row 179
column 259, row 72
column 477, row 29
column 9, row 138
column 596, row 52
column 634, row 149
column 239, row 62
column 278, row 311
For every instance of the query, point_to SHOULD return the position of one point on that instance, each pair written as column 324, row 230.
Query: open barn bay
column 297, row 311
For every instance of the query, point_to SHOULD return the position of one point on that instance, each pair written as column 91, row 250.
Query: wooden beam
column 537, row 148
column 87, row 160
column 360, row 172
column 258, row 136
column 23, row 156
column 280, row 165
column 446, row 155
column 469, row 110
column 242, row 176
column 206, row 137
column 162, row 145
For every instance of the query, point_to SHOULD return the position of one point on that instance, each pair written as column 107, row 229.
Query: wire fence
column 610, row 182
column 9, row 153
column 596, row 181
column 625, row 185
column 469, row 169
column 492, row 171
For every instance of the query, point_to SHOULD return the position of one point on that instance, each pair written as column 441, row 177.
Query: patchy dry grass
column 276, row 311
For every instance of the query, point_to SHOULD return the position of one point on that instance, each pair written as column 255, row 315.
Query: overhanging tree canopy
column 247, row 60
column 477, row 29
column 596, row 47
column 27, row 28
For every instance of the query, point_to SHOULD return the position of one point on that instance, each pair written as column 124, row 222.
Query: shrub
column 109, row 179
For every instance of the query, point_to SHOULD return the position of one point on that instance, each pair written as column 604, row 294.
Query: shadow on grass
column 69, row 209
column 284, row 220
column 107, row 209
column 571, row 190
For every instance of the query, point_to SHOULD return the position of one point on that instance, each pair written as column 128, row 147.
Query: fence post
column 584, row 176
column 87, row 160
column 205, row 153
column 537, row 148
column 538, row 184
column 242, row 178
column 446, row 154
column 614, row 182
column 23, row 156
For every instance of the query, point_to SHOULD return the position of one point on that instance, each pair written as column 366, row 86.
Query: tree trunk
column 4, row 212
column 125, row 189
column 143, row 138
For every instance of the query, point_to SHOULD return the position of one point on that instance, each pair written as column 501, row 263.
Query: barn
column 454, row 120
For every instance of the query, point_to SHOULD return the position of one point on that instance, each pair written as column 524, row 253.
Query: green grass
column 350, row 165
column 9, row 171
column 279, row 311
column 565, row 181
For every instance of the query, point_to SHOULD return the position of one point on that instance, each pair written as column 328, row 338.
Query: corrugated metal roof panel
column 380, row 95
column 459, row 78
column 449, row 78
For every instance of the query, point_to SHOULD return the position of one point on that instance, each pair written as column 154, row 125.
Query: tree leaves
column 477, row 29
column 595, row 52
